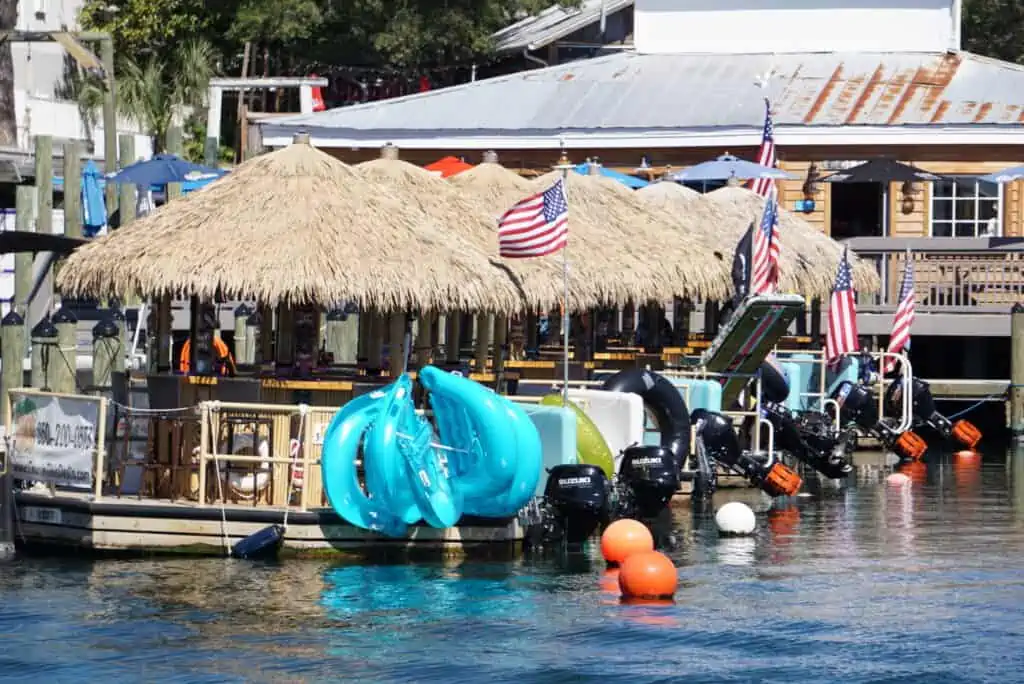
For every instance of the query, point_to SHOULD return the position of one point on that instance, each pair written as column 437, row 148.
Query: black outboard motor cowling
column 650, row 478
column 721, row 445
column 922, row 405
column 577, row 496
column 858, row 406
column 809, row 437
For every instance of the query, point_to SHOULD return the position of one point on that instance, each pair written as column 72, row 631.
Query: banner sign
column 53, row 438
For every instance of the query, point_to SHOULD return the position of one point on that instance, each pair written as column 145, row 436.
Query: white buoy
column 735, row 518
column 898, row 480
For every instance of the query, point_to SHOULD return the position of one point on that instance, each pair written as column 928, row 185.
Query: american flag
column 841, row 337
column 766, row 156
column 764, row 273
column 899, row 340
column 535, row 226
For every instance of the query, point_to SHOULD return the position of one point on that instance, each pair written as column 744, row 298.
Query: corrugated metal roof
column 631, row 92
column 553, row 24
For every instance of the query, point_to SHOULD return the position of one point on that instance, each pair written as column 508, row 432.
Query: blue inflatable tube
column 338, row 465
column 386, row 476
column 529, row 463
column 468, row 417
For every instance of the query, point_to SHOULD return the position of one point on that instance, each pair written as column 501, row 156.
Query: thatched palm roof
column 471, row 220
column 666, row 194
column 809, row 257
column 295, row 225
column 647, row 242
column 601, row 261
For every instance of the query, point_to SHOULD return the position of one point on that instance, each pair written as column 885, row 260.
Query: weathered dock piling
column 12, row 349
column 64, row 357
column 1017, row 371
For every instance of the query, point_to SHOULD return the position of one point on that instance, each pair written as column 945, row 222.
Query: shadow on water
column 864, row 582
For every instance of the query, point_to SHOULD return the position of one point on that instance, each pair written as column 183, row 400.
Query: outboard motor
column 648, row 479
column 859, row 407
column 923, row 409
column 808, row 436
column 718, row 443
column 576, row 502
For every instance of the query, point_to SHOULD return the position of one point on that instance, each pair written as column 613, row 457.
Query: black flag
column 741, row 266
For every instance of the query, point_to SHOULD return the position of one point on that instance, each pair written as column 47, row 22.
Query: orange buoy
column 623, row 538
column 648, row 575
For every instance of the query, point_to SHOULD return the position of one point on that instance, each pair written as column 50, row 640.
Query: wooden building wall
column 960, row 160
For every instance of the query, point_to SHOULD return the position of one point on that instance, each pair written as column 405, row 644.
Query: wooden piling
column 44, row 354
column 126, row 143
column 424, row 346
column 1017, row 371
column 109, row 121
column 72, row 190
column 25, row 209
column 242, row 313
column 484, row 329
column 453, row 337
column 500, row 342
column 106, row 347
column 174, row 145
column 44, row 184
column 12, row 349
column 64, row 357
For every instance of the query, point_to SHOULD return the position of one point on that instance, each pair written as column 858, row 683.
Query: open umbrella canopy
column 1014, row 173
column 726, row 167
column 668, row 250
column 163, row 169
column 295, row 225
column 448, row 166
column 882, row 171
column 625, row 179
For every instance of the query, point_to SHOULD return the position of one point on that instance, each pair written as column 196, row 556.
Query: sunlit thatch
column 295, row 225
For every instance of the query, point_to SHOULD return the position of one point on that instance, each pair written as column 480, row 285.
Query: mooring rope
column 303, row 412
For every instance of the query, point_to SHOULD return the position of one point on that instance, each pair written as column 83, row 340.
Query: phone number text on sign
column 65, row 435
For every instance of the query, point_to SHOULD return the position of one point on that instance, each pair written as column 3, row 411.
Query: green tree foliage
column 994, row 28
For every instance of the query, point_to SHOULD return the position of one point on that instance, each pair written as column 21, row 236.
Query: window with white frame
column 964, row 206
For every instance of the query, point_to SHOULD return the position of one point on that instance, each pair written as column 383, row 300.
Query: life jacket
column 224, row 359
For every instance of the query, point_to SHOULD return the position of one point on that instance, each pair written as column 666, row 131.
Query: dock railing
column 951, row 275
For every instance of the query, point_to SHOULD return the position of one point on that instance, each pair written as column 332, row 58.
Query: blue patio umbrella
column 726, row 167
column 163, row 169
column 94, row 209
column 625, row 179
column 1005, row 176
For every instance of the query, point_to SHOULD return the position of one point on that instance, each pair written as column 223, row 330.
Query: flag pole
column 564, row 165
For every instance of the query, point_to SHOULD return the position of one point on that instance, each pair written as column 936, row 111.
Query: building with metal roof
column 631, row 100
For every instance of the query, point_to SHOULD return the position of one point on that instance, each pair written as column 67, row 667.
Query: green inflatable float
column 591, row 447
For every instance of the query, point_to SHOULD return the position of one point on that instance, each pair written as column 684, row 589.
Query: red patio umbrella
column 448, row 166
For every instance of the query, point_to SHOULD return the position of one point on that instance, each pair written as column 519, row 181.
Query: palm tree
column 156, row 94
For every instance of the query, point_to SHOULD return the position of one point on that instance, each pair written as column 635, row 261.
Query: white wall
column 764, row 26
column 39, row 79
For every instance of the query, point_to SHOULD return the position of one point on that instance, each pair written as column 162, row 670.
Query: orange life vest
column 223, row 354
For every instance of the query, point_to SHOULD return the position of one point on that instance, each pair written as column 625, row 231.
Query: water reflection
column 864, row 583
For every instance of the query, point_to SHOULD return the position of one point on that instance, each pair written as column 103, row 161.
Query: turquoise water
column 862, row 584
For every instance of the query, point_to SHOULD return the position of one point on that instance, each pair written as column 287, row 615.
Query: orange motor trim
column 966, row 433
column 781, row 480
column 910, row 445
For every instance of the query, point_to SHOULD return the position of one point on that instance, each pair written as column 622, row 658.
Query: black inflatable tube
column 774, row 387
column 663, row 400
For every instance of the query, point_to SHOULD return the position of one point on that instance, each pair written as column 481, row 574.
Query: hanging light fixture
column 909, row 193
